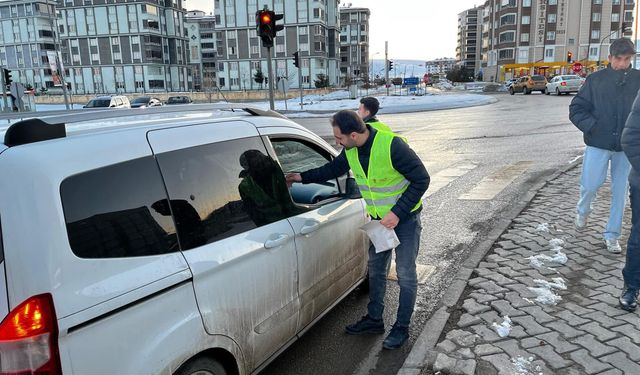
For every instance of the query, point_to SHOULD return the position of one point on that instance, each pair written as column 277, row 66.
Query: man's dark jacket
column 631, row 143
column 403, row 159
column 601, row 107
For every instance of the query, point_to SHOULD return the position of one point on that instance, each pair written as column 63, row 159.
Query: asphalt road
column 482, row 160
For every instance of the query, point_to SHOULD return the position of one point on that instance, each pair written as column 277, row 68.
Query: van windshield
column 98, row 103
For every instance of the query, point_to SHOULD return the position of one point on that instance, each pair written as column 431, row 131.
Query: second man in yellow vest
column 392, row 180
column 367, row 110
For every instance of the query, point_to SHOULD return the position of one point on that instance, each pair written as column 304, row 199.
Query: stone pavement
column 562, row 318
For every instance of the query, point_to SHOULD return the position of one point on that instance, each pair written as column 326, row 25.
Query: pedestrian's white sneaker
column 613, row 246
column 581, row 221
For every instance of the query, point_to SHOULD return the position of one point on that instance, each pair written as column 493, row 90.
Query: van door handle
column 279, row 240
column 310, row 226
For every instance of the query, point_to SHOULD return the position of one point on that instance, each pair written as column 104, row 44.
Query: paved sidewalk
column 555, row 318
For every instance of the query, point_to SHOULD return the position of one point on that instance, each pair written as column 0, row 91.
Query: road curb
column 422, row 354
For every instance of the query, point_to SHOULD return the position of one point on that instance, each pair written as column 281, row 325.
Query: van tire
column 511, row 91
column 202, row 366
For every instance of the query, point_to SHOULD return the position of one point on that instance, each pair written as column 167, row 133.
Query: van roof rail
column 86, row 114
column 40, row 126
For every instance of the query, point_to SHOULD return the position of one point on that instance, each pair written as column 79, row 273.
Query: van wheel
column 202, row 366
column 511, row 91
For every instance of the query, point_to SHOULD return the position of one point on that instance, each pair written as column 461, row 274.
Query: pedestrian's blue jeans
column 594, row 172
column 408, row 232
column 631, row 271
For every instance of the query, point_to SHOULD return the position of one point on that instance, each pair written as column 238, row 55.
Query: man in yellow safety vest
column 392, row 180
column 367, row 111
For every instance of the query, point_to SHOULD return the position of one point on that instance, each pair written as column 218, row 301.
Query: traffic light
column 296, row 59
column 7, row 77
column 389, row 65
column 266, row 26
column 569, row 57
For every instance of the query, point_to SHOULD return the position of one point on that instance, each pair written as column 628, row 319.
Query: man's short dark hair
column 371, row 104
column 622, row 47
column 348, row 122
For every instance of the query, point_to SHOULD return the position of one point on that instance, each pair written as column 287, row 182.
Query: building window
column 597, row 2
column 280, row 48
column 508, row 19
column 255, row 50
column 281, row 65
column 548, row 52
column 233, row 66
column 508, row 36
column 552, row 2
column 231, row 50
column 593, row 51
column 616, row 2
column 595, row 17
column 628, row 16
column 551, row 35
column 526, row 20
column 551, row 18
column 524, row 37
column 304, row 46
column 305, row 79
column 615, row 17
column 595, row 34
column 505, row 53
column 526, row 3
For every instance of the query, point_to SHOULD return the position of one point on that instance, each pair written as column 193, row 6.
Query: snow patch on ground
column 543, row 227
column 545, row 291
column 503, row 329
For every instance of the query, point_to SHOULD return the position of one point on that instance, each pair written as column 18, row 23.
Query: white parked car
column 564, row 84
column 166, row 241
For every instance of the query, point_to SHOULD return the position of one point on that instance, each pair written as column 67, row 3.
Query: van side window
column 223, row 189
column 299, row 156
column 116, row 211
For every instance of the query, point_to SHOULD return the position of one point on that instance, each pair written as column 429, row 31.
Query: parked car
column 109, row 101
column 179, row 100
column 145, row 101
column 167, row 241
column 528, row 84
column 564, row 84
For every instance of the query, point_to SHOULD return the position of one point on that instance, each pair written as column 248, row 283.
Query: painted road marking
column 493, row 184
column 446, row 176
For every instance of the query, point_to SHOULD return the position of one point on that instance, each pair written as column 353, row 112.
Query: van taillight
column 29, row 339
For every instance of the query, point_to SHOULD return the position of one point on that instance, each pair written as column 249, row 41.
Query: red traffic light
column 265, row 18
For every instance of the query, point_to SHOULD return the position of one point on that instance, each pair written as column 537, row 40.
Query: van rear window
column 118, row 211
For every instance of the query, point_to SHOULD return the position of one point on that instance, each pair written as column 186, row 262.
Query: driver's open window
column 299, row 156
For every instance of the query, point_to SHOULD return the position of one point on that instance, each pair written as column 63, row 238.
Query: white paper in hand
column 382, row 237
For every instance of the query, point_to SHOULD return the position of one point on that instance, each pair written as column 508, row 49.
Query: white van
column 165, row 242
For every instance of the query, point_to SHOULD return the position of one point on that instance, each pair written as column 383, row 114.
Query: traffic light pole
column 5, row 107
column 270, row 72
column 300, row 84
column 386, row 65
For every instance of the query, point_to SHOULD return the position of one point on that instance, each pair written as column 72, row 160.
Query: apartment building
column 28, row 39
column 120, row 46
column 440, row 66
column 354, row 42
column 468, row 50
column 311, row 27
column 550, row 37
column 202, row 50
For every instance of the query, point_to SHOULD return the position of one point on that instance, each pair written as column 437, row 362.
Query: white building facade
column 311, row 27
column 354, row 42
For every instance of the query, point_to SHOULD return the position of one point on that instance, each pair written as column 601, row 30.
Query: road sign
column 577, row 67
column 411, row 81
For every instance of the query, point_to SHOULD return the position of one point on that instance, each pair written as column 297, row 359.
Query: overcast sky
column 415, row 29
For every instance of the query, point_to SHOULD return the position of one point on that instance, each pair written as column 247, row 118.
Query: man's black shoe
column 366, row 326
column 628, row 299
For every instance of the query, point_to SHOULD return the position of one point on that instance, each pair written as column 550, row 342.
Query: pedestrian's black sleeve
column 334, row 169
column 407, row 162
column 581, row 108
column 631, row 136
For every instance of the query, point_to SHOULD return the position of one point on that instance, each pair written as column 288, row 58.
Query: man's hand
column 390, row 220
column 292, row 177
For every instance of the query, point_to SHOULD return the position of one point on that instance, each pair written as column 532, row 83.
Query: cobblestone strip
column 584, row 333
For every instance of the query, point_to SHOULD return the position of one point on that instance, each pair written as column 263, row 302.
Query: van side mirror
column 351, row 189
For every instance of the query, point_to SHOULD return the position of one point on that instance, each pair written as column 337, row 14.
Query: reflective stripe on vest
column 382, row 186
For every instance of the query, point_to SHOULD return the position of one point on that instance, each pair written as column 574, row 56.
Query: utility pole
column 296, row 63
column 386, row 65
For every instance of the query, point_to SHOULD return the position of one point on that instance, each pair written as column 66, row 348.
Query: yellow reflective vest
column 382, row 185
